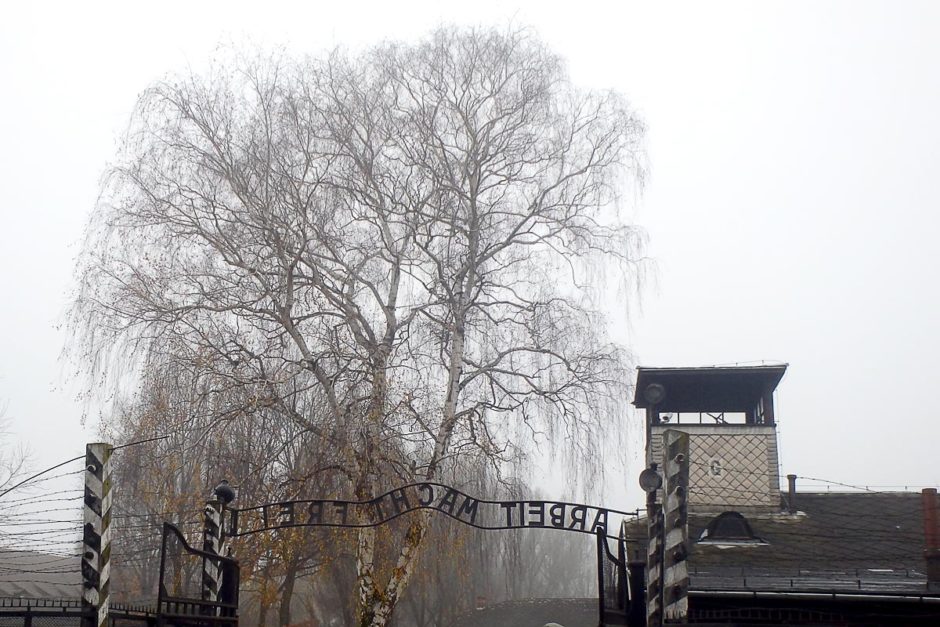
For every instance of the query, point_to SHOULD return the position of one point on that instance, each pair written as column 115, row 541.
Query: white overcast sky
column 792, row 207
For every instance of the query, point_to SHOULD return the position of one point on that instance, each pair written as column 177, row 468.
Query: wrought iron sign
column 480, row 513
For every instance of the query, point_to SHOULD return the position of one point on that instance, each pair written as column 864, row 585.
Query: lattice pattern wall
column 731, row 467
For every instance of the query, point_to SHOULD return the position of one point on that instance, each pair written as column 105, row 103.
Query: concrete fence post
column 96, row 535
column 212, row 543
column 654, row 564
column 676, row 526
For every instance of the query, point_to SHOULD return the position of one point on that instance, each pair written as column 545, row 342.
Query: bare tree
column 14, row 458
column 397, row 251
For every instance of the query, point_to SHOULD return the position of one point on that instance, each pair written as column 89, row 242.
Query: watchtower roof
column 714, row 389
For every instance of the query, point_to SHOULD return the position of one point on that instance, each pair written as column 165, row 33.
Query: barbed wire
column 42, row 498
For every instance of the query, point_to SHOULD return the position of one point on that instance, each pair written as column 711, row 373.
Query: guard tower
column 729, row 416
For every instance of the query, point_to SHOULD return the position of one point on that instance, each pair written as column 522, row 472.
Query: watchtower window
column 704, row 418
column 764, row 413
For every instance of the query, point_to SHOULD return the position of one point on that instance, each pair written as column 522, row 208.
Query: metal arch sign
column 479, row 513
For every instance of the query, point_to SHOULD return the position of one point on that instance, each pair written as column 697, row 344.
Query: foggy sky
column 791, row 206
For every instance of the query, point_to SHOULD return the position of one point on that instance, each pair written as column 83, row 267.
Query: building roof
column 534, row 612
column 868, row 543
column 33, row 575
column 728, row 389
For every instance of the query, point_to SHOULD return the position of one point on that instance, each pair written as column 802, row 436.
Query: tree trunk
column 287, row 593
column 365, row 546
column 263, row 603
column 262, row 613
column 407, row 558
column 365, row 575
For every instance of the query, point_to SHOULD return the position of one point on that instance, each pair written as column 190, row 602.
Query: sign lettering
column 479, row 513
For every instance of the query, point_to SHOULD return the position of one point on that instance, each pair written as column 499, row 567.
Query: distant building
column 757, row 555
column 35, row 575
column 534, row 612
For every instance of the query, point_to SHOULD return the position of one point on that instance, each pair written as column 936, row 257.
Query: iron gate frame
column 181, row 611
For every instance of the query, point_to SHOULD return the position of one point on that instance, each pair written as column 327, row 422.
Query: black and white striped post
column 654, row 564
column 676, row 526
column 651, row 482
column 212, row 543
column 96, row 535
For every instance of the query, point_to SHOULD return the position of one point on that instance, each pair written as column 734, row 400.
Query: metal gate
column 182, row 601
column 620, row 585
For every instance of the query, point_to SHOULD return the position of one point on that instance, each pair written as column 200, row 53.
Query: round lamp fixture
column 650, row 480
column 224, row 492
column 654, row 393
